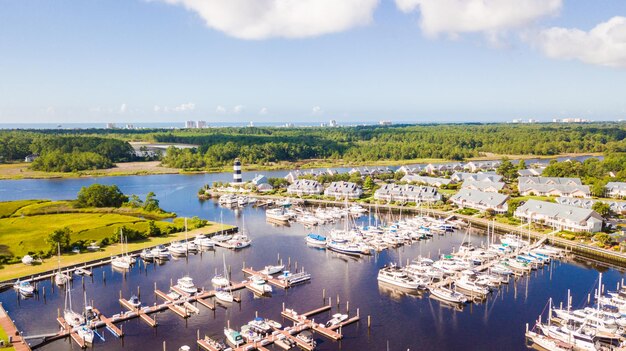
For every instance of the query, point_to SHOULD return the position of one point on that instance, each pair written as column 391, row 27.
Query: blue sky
column 349, row 60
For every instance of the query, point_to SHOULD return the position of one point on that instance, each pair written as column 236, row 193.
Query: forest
column 262, row 145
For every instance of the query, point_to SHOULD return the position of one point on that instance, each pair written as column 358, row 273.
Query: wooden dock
column 142, row 312
column 6, row 323
column 330, row 333
column 109, row 324
column 270, row 279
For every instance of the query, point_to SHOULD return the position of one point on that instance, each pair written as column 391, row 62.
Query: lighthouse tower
column 237, row 172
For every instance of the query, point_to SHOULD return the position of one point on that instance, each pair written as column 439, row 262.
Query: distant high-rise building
column 384, row 123
column 237, row 171
column 332, row 123
column 190, row 124
column 111, row 126
column 130, row 126
column 201, row 124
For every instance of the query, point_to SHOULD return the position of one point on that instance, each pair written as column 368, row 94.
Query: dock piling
column 369, row 321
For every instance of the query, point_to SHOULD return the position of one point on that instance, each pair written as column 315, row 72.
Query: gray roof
column 305, row 185
column 616, row 186
column 482, row 186
column 559, row 211
column 549, row 180
column 479, row 177
column 259, row 179
column 547, row 188
column 480, row 197
column 617, row 206
column 408, row 191
column 410, row 178
column 530, row 172
column 343, row 187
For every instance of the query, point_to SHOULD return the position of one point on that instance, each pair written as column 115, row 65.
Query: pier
column 270, row 279
column 6, row 324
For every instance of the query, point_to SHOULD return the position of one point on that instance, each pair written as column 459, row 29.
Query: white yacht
column 204, row 242
column 234, row 337
column 259, row 284
column 25, row 288
column 120, row 263
column 448, row 295
column 271, row 270
column 336, row 320
column 72, row 318
column 466, row 284
column 178, row 249
column 277, row 214
column 161, row 252
column 221, row 280
column 85, row 333
column 186, row 284
column 224, row 296
column 396, row 276
column 147, row 255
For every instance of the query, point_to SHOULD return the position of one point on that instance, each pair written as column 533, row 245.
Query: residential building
column 264, row 187
column 342, row 190
column 486, row 186
column 616, row 206
column 480, row 200
column 259, row 179
column 201, row 124
column 553, row 186
column 431, row 181
column 460, row 177
column 615, row 189
column 305, row 187
column 190, row 124
column 530, row 172
column 407, row 193
column 560, row 217
column 370, row 171
column 476, row 166
column 440, row 168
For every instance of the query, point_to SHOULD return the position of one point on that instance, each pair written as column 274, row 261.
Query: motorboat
column 285, row 343
column 227, row 199
column 307, row 337
column 277, row 214
column 448, row 295
column 25, row 288
column 259, row 284
column 221, row 237
column 178, row 249
column 204, row 242
column 234, row 337
column 316, row 240
column 271, row 270
column 344, row 247
column 191, row 246
column 147, row 255
column 260, row 325
column 186, row 284
column 395, row 276
column 471, row 286
column 294, row 278
column 134, row 301
column 85, row 333
column 161, row 252
column 336, row 320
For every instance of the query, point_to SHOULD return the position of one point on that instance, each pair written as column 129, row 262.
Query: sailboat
column 219, row 279
column 72, row 318
column 84, row 331
column 121, row 262
column 60, row 278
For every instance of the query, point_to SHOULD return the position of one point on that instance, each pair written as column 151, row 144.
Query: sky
column 122, row 61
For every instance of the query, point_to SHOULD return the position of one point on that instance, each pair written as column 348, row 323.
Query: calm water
column 399, row 320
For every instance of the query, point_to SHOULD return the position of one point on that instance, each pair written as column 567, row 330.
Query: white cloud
column 603, row 45
column 220, row 109
column 123, row 108
column 490, row 17
column 263, row 111
column 262, row 19
column 157, row 108
column 316, row 110
column 50, row 110
column 238, row 108
column 190, row 106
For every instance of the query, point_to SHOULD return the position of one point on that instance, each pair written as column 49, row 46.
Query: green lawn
column 5, row 337
column 10, row 207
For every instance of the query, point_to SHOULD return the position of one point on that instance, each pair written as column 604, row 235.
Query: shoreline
column 583, row 250
column 20, row 171
column 9, row 273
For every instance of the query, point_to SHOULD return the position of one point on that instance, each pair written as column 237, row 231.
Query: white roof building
column 480, row 200
column 489, row 187
column 407, row 193
column 342, row 190
column 615, row 189
column 553, row 186
column 431, row 181
column 560, row 217
column 305, row 187
column 459, row 177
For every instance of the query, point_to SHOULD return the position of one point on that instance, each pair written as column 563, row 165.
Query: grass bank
column 14, row 271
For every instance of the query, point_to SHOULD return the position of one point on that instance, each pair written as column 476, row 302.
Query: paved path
column 7, row 325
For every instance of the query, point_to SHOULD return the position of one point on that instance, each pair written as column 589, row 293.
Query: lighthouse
column 237, row 172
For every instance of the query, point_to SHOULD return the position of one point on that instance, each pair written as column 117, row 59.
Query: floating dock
column 270, row 279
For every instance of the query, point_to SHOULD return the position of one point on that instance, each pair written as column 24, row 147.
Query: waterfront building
column 460, row 177
column 305, row 187
column 370, row 171
column 264, row 187
column 476, row 166
column 190, row 124
column 615, row 189
column 424, row 180
column 489, row 187
column 616, row 206
column 259, row 179
column 407, row 193
column 530, row 172
column 237, row 172
column 439, row 168
column 110, row 126
column 201, row 124
column 480, row 200
column 342, row 190
column 332, row 123
column 553, row 186
column 560, row 217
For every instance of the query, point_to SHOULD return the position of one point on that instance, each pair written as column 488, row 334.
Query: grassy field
column 5, row 337
column 39, row 207
column 19, row 270
column 10, row 207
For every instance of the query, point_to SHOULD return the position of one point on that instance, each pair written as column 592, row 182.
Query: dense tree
column 59, row 238
column 57, row 161
column 151, row 203
column 602, row 208
column 98, row 195
column 368, row 183
column 507, row 169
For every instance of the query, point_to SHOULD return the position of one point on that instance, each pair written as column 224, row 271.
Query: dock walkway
column 18, row 343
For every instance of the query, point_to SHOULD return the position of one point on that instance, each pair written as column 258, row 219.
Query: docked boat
column 25, row 288
column 344, row 248
column 120, row 263
column 260, row 325
column 60, row 278
column 307, row 337
column 228, row 200
column 259, row 284
column 234, row 337
column 285, row 343
column 466, row 284
column 147, row 255
column 204, row 242
column 221, row 280
column 294, row 278
column 316, row 240
column 85, row 333
column 224, row 296
column 336, row 320
column 448, row 295
column 277, row 214
column 134, row 301
column 186, row 284
column 160, row 252
column 271, row 270
column 395, row 276
column 178, row 249
column 74, row 319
